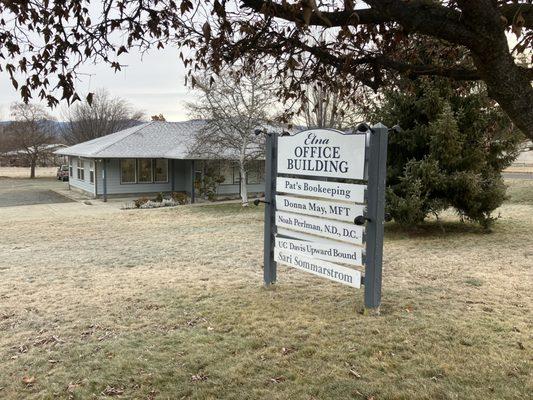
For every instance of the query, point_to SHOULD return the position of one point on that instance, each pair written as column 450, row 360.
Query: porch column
column 104, row 179
column 192, row 182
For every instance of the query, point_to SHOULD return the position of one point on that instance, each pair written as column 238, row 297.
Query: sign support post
column 269, row 271
column 377, row 168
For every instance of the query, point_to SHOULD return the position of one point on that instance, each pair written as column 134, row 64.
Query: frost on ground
column 169, row 304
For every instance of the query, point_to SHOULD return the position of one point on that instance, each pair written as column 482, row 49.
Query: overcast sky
column 153, row 83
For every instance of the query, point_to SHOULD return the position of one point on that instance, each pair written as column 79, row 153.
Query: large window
column 236, row 175
column 127, row 170
column 144, row 170
column 256, row 172
column 161, row 170
column 81, row 170
column 226, row 171
column 91, row 171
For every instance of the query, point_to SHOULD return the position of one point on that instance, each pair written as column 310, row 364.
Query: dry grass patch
column 168, row 304
column 520, row 191
column 24, row 172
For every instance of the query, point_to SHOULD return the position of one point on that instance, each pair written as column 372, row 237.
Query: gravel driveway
column 23, row 192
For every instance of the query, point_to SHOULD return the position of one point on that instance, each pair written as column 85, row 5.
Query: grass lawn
column 24, row 172
column 168, row 304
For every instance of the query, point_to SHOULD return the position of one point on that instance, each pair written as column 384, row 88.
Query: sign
column 310, row 223
column 344, row 254
column 321, row 227
column 324, row 269
column 327, row 190
column 326, row 209
column 304, row 236
column 322, row 152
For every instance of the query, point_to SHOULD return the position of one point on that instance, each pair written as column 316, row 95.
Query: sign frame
column 375, row 166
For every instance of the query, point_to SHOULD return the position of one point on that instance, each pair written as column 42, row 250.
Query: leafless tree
column 234, row 106
column 327, row 108
column 372, row 41
column 103, row 116
column 30, row 132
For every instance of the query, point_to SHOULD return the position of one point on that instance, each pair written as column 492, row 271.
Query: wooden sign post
column 329, row 223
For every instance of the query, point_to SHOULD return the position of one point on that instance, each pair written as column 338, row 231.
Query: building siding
column 84, row 184
column 179, row 173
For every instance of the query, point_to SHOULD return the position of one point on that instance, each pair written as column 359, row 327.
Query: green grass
column 168, row 304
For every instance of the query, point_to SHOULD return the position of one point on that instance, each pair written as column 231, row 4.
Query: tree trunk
column 33, row 163
column 244, row 188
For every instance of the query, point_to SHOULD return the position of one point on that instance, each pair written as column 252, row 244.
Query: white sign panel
column 327, row 190
column 318, row 208
column 304, row 236
column 341, row 253
column 324, row 269
column 322, row 152
column 322, row 227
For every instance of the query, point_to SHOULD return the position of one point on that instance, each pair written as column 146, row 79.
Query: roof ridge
column 128, row 135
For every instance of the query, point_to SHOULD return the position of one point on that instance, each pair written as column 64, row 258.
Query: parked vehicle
column 62, row 173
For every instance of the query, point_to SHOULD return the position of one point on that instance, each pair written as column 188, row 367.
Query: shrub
column 140, row 201
column 451, row 152
column 179, row 197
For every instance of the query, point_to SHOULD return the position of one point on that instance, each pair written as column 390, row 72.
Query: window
column 144, row 170
column 81, row 170
column 127, row 170
column 256, row 172
column 236, row 175
column 91, row 171
column 226, row 171
column 160, row 170
column 70, row 169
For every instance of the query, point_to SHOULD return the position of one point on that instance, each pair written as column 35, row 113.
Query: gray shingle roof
column 156, row 139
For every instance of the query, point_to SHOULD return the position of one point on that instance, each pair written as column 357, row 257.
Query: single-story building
column 151, row 158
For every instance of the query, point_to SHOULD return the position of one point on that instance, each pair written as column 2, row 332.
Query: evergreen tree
column 454, row 144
